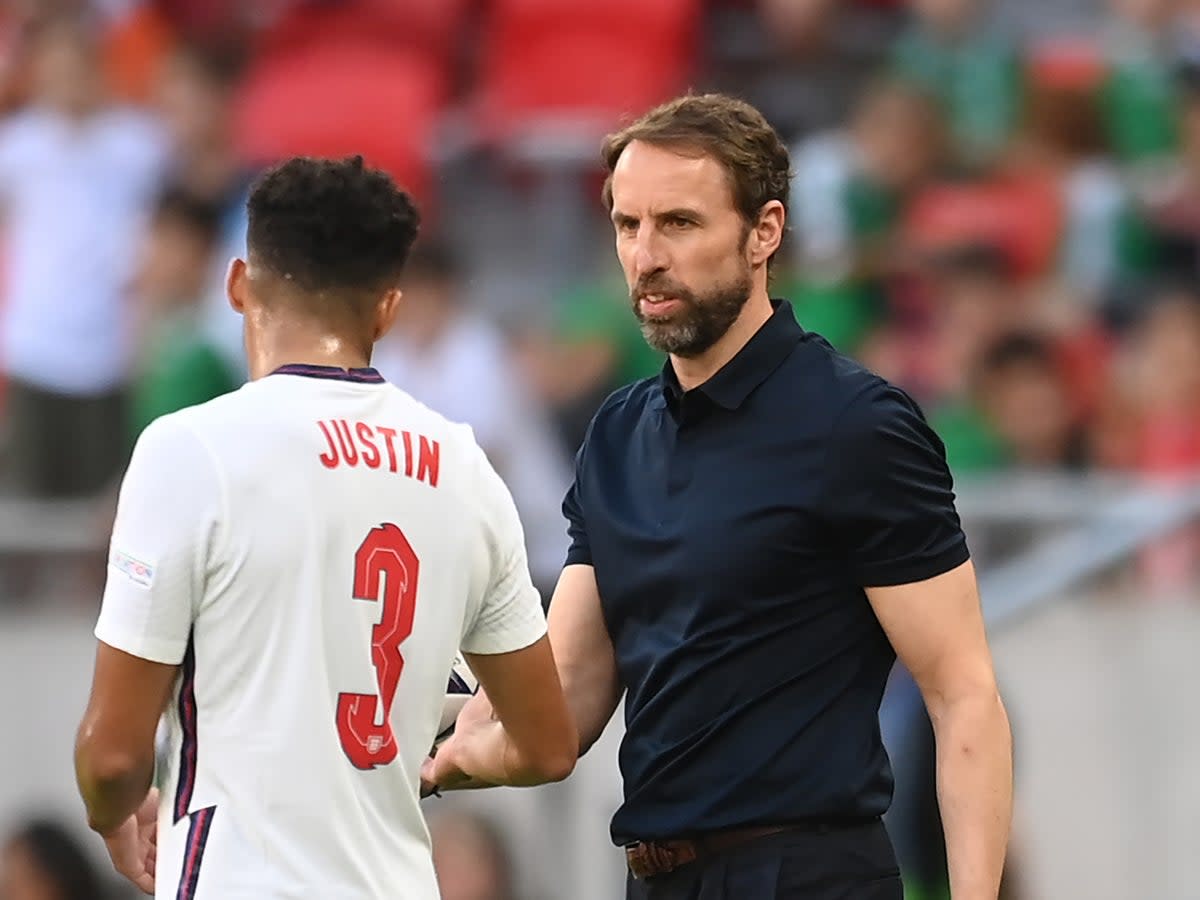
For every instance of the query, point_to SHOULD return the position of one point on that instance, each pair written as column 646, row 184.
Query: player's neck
column 268, row 353
column 693, row 372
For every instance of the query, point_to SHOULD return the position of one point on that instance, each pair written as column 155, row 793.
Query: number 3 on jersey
column 384, row 559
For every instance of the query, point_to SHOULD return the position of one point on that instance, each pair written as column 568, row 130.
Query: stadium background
column 999, row 211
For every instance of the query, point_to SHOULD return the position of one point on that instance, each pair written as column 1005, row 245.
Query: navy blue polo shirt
column 732, row 529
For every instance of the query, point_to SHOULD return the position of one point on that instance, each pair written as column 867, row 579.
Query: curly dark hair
column 729, row 130
column 331, row 226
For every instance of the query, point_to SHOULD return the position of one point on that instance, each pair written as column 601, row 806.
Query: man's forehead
column 649, row 175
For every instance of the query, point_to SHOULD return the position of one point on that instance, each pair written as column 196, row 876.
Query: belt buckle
column 647, row 858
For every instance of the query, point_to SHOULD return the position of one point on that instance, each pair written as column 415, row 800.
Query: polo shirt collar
column 736, row 380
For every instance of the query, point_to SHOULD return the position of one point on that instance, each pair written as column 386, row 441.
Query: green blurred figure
column 1138, row 95
column 974, row 72
column 179, row 364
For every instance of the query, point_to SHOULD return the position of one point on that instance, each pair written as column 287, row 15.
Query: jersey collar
column 365, row 375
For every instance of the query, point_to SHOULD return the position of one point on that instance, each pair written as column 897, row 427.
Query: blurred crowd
column 995, row 204
column 42, row 861
column 1004, row 220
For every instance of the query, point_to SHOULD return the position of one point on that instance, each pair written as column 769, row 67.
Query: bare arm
column 587, row 669
column 530, row 737
column 114, row 750
column 587, row 664
column 936, row 627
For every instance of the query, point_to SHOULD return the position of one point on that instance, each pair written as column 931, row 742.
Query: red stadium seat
column 1021, row 216
column 432, row 26
column 359, row 76
column 558, row 67
column 341, row 98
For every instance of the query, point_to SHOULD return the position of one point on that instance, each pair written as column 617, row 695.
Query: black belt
column 649, row 858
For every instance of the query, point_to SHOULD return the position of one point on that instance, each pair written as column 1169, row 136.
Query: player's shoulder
column 223, row 409
column 429, row 420
column 173, row 441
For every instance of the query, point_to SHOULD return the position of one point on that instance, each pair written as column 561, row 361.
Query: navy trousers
column 854, row 863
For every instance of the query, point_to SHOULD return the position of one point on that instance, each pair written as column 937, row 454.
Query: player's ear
column 767, row 233
column 386, row 312
column 237, row 284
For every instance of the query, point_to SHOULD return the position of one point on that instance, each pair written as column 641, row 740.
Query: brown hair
column 729, row 130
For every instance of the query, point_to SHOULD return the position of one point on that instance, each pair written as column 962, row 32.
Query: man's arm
column 584, row 652
column 587, row 671
column 936, row 627
column 531, row 738
column 114, row 748
column 166, row 517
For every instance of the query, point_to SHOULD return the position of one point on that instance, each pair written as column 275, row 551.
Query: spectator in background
column 470, row 858
column 179, row 364
column 41, row 861
column 194, row 98
column 1138, row 95
column 975, row 299
column 1103, row 241
column 592, row 348
column 1151, row 422
column 851, row 187
column 802, row 62
column 77, row 177
column 1170, row 200
column 849, row 197
column 1022, row 394
column 456, row 361
column 952, row 51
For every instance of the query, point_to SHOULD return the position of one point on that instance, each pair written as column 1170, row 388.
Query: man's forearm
column 111, row 796
column 974, row 777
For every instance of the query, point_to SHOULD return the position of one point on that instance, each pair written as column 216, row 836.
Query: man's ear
column 237, row 284
column 386, row 312
column 767, row 233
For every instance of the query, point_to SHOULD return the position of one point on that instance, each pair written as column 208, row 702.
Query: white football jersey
column 312, row 549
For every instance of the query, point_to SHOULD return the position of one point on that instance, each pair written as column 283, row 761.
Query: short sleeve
column 579, row 552
column 889, row 495
column 509, row 616
column 167, row 517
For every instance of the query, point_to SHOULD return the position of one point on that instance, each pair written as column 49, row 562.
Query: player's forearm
column 974, row 762
column 490, row 756
column 111, row 788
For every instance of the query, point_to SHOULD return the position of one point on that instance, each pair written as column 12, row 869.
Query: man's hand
column 440, row 771
column 133, row 846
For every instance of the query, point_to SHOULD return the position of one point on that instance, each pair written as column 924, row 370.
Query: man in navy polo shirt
column 757, row 533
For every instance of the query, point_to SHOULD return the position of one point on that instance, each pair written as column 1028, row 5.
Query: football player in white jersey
column 293, row 568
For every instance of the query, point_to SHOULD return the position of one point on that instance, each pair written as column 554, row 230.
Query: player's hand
column 133, row 846
column 443, row 769
column 440, row 771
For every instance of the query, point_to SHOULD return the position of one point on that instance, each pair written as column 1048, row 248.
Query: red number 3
column 365, row 730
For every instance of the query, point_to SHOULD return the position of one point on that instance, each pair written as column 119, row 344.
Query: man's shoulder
column 843, row 387
column 628, row 403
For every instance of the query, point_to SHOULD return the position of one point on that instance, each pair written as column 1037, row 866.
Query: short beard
column 703, row 320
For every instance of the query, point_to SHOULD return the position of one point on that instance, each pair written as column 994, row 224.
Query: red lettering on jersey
column 328, row 460
column 389, row 435
column 370, row 453
column 408, row 453
column 346, row 442
column 429, row 461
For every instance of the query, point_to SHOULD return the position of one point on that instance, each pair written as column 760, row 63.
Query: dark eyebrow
column 689, row 215
column 620, row 218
